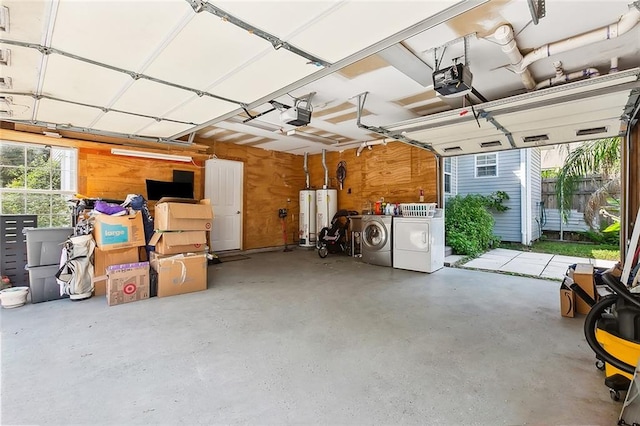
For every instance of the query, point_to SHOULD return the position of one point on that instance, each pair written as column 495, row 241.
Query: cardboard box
column 175, row 242
column 172, row 216
column 116, row 232
column 583, row 277
column 567, row 298
column 103, row 258
column 180, row 273
column 567, row 303
column 127, row 283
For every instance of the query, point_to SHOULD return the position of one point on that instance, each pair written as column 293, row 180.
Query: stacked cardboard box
column 180, row 251
column 127, row 282
column 118, row 239
column 578, row 290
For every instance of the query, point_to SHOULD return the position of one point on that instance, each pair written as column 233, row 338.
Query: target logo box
column 189, row 215
column 117, row 232
column 180, row 273
column 128, row 282
column 176, row 242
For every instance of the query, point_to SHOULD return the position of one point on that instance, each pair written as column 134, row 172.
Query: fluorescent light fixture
column 152, row 155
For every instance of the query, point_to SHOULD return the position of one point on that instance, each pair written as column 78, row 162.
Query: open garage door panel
column 585, row 110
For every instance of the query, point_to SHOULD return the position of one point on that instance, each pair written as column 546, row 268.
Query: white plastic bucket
column 14, row 297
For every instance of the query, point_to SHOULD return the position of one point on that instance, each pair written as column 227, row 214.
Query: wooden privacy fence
column 576, row 223
column 586, row 187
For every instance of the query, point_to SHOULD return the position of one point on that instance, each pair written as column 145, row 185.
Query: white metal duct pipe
column 326, row 170
column 505, row 38
column 627, row 21
column 306, row 170
column 565, row 78
column 614, row 65
column 364, row 145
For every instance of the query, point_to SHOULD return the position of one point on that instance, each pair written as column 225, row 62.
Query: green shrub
column 469, row 225
column 602, row 237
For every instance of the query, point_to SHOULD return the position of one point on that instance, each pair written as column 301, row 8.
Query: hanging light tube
column 152, row 155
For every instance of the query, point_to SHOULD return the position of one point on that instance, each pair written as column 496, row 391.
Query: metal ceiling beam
column 136, row 76
column 64, row 127
column 101, row 108
column 362, row 97
column 200, row 6
column 439, row 18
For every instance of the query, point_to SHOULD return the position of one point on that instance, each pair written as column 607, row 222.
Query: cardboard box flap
column 190, row 211
column 172, row 239
column 177, row 200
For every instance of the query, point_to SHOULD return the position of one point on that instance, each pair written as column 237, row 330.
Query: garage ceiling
column 226, row 71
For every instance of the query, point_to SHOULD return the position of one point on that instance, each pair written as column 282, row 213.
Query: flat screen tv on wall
column 156, row 189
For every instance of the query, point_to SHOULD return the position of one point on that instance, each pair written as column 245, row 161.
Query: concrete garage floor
column 291, row 338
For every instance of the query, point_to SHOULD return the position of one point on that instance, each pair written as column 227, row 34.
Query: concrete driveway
column 542, row 265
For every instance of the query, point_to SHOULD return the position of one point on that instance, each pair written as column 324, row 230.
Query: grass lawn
column 569, row 248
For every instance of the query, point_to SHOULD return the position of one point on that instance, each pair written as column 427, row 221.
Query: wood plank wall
column 103, row 175
column 272, row 180
column 395, row 172
column 631, row 183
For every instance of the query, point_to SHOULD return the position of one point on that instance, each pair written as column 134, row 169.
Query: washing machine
column 377, row 244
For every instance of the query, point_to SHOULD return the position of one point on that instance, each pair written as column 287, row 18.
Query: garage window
column 38, row 180
column 486, row 165
column 447, row 175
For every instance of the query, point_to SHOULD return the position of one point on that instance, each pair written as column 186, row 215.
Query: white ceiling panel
column 121, row 123
column 77, row 81
column 65, row 113
column 201, row 109
column 359, row 24
column 267, row 74
column 201, row 47
column 121, row 33
column 23, row 68
column 282, row 18
column 162, row 129
column 149, row 98
column 21, row 107
column 27, row 22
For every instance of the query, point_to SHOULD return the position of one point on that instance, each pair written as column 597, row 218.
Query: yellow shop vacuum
column 612, row 330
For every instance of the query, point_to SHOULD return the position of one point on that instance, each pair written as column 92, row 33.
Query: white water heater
column 326, row 207
column 307, row 222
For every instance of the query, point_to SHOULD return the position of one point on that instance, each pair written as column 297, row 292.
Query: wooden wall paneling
column 272, row 181
column 631, row 185
column 103, row 175
column 395, row 172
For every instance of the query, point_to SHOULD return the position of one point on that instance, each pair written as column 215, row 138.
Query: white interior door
column 223, row 186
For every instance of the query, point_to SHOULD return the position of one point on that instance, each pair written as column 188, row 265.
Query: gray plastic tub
column 43, row 284
column 44, row 245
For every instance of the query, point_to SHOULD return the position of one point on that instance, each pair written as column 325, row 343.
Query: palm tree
column 601, row 156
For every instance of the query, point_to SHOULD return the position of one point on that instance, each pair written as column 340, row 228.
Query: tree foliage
column 601, row 156
column 34, row 169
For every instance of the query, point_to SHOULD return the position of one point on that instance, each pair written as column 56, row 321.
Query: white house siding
column 507, row 224
column 536, row 192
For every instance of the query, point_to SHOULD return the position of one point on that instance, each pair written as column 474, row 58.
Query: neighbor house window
column 447, row 175
column 38, row 180
column 487, row 165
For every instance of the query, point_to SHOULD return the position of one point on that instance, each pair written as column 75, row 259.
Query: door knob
column 238, row 212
